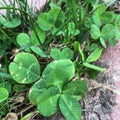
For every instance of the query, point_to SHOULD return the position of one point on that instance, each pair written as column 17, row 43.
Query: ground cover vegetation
column 47, row 54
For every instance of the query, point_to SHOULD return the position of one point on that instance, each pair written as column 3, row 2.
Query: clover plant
column 55, row 89
column 55, row 50
column 66, row 53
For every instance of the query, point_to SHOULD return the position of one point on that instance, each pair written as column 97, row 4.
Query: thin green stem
column 9, row 38
column 14, row 6
column 9, row 8
column 23, row 8
column 8, row 105
column 75, row 12
column 19, row 6
column 6, row 62
column 32, row 25
column 62, row 26
column 4, row 1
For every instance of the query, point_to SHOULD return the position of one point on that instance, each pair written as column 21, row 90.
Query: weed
column 55, row 51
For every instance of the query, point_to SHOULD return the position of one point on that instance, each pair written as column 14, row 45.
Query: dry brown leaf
column 10, row 116
column 20, row 99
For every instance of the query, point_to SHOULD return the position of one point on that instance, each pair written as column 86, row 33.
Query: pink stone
column 111, row 57
column 35, row 4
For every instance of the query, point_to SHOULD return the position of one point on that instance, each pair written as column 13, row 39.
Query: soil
column 111, row 57
column 100, row 99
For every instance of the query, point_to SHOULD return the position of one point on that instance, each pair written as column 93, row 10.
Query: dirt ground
column 112, row 59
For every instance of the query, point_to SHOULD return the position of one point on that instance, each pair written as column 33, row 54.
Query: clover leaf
column 66, row 53
column 70, row 107
column 3, row 94
column 25, row 68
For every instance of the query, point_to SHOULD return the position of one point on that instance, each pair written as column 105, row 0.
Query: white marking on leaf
column 17, row 75
column 15, row 59
column 24, row 80
column 20, row 67
column 12, row 73
column 21, row 64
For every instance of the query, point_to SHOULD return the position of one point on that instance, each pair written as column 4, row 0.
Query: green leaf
column 79, row 50
column 107, row 17
column 53, row 15
column 98, row 11
column 93, row 67
column 20, row 88
column 71, row 29
column 43, row 22
column 60, row 19
column 25, row 68
column 5, row 44
column 46, row 99
column 37, row 90
column 13, row 23
column 112, row 42
column 6, row 85
column 92, row 47
column 118, row 35
column 92, row 73
column 47, row 20
column 66, row 53
column 78, row 87
column 94, row 55
column 58, row 72
column 41, row 35
column 117, row 20
column 2, row 19
column 52, row 4
column 47, row 102
column 24, row 41
column 95, row 32
column 3, row 94
column 96, row 20
column 108, row 32
column 55, row 53
column 88, row 22
column 70, row 107
column 102, row 41
column 38, row 51
column 94, row 3
column 5, row 75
